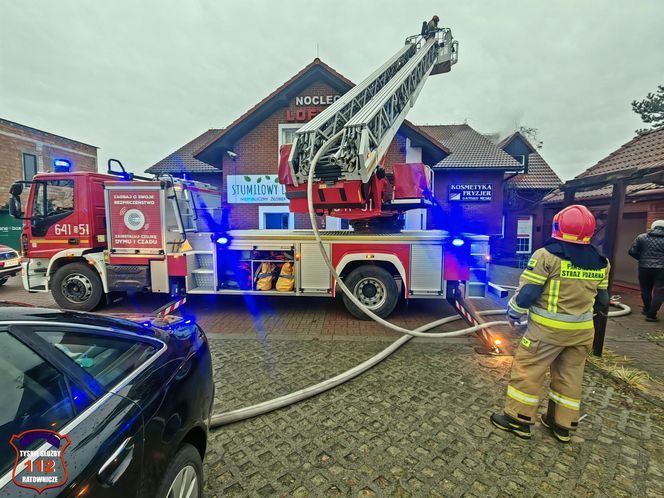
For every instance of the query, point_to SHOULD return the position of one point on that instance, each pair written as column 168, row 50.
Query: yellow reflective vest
column 563, row 313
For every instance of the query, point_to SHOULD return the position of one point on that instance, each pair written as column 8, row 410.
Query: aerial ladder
column 348, row 140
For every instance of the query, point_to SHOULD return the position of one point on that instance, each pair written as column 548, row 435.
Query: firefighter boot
column 507, row 423
column 560, row 433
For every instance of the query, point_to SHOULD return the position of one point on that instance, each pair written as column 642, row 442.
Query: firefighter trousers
column 531, row 361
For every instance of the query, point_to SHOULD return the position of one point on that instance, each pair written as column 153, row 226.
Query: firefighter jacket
column 286, row 281
column 559, row 298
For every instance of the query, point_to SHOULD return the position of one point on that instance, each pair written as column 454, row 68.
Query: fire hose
column 308, row 392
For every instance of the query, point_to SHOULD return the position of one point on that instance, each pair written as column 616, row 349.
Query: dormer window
column 521, row 159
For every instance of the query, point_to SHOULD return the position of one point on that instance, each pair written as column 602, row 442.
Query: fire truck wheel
column 376, row 289
column 77, row 287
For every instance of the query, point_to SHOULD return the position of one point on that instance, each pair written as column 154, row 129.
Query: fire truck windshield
column 53, row 198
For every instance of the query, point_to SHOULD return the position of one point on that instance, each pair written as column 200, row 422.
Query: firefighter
column 564, row 282
column 431, row 27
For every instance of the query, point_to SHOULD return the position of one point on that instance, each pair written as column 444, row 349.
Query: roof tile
column 469, row 149
column 182, row 160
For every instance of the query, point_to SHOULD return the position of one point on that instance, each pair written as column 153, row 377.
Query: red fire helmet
column 574, row 224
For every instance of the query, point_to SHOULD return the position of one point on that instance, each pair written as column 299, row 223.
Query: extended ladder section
column 355, row 132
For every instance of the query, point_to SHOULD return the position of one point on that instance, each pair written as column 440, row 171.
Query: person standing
column 562, row 283
column 648, row 249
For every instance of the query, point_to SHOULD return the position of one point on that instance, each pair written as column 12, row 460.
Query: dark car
column 10, row 263
column 98, row 406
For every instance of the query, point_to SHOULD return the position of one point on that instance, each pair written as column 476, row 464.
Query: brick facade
column 258, row 153
column 17, row 139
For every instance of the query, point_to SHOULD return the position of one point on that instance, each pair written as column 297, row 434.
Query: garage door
column 627, row 267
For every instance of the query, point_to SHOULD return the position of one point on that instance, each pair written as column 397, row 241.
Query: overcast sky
column 140, row 78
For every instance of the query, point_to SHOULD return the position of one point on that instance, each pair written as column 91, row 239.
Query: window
column 29, row 166
column 34, row 395
column 275, row 218
column 287, row 133
column 276, row 221
column 520, row 158
column 524, row 234
column 523, row 244
column 334, row 223
column 53, row 198
column 107, row 359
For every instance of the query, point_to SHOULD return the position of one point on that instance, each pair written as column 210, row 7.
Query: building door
column 626, row 267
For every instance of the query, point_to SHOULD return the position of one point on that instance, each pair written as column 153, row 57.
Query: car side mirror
column 15, row 207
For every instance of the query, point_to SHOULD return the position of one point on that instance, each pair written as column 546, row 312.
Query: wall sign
column 255, row 189
column 470, row 192
column 316, row 99
column 302, row 115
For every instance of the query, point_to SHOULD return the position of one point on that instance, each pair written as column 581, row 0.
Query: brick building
column 644, row 203
column 25, row 151
column 246, row 153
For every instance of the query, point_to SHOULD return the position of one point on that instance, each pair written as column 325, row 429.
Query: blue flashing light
column 222, row 240
column 147, row 324
column 457, row 242
column 188, row 321
column 62, row 165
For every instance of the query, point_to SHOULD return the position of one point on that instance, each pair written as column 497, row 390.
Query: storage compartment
column 256, row 270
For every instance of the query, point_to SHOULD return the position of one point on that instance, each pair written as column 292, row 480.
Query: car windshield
column 107, row 359
column 53, row 197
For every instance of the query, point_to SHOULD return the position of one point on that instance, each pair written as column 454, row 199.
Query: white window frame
column 280, row 208
column 520, row 158
column 334, row 223
column 287, row 126
column 523, row 236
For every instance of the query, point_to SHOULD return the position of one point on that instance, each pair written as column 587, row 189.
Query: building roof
column 19, row 126
column 469, row 149
column 643, row 151
column 316, row 70
column 540, row 175
column 183, row 161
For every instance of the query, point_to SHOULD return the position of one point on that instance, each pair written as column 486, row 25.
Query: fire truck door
column 56, row 222
column 314, row 275
column 426, row 275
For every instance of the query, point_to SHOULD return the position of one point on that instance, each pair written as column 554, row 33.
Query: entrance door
column 627, row 267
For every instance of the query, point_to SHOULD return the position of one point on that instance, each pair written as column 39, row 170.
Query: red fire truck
column 87, row 235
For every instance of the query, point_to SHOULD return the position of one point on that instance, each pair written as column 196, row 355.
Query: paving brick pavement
column 416, row 425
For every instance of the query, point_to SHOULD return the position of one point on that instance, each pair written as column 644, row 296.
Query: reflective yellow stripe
column 516, row 307
column 603, row 285
column 521, row 397
column 558, row 324
column 533, row 277
column 554, row 292
column 566, row 401
column 570, row 237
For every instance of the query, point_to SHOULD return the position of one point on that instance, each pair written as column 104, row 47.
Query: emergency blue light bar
column 222, row 240
column 62, row 165
column 457, row 242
